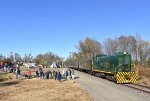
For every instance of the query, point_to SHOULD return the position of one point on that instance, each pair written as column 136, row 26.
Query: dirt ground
column 105, row 90
column 42, row 90
column 36, row 89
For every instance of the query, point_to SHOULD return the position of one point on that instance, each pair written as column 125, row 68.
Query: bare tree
column 47, row 58
column 2, row 57
column 110, row 46
column 144, row 51
column 28, row 58
column 89, row 48
column 123, row 43
column 11, row 57
column 132, row 46
column 139, row 49
column 17, row 57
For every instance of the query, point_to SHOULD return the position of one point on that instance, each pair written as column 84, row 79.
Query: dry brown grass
column 4, row 76
column 41, row 90
column 144, row 76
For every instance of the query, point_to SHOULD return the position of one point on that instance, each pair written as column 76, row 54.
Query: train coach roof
column 100, row 55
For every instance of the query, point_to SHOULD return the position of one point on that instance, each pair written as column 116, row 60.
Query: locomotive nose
column 126, row 67
column 127, row 77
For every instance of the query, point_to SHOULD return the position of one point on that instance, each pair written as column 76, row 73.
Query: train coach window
column 127, row 59
column 126, row 68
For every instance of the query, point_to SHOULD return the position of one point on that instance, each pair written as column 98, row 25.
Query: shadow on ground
column 10, row 83
column 77, row 77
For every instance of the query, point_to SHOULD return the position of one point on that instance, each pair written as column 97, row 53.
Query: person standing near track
column 17, row 72
column 72, row 74
column 69, row 74
column 66, row 76
column 59, row 76
column 41, row 73
column 55, row 75
column 37, row 74
column 29, row 74
column 47, row 74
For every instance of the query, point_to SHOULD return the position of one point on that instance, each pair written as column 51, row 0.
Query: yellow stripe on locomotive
column 126, row 77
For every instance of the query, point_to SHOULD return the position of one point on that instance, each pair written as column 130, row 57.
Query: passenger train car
column 117, row 67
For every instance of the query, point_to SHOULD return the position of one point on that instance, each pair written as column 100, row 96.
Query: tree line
column 45, row 59
column 135, row 45
column 90, row 47
column 16, row 58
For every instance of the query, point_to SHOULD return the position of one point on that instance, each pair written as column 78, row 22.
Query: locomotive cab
column 123, row 71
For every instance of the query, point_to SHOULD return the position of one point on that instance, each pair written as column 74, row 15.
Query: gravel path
column 104, row 90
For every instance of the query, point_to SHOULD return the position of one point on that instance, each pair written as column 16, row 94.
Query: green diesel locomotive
column 115, row 67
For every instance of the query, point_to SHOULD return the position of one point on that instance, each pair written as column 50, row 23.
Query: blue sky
column 39, row 26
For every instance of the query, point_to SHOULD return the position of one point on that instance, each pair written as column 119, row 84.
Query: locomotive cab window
column 124, row 62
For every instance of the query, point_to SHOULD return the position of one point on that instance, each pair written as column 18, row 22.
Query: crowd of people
column 66, row 74
column 9, row 68
column 12, row 69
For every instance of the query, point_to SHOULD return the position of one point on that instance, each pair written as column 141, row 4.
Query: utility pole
column 11, row 57
column 1, row 57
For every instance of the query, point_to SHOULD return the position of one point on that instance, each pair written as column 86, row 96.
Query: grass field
column 144, row 76
column 36, row 89
column 42, row 90
column 3, row 76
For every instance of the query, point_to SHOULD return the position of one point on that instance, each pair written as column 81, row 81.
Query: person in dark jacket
column 37, row 74
column 41, row 73
column 66, row 74
column 47, row 74
column 55, row 75
column 59, row 76
column 25, row 75
column 51, row 76
column 17, row 73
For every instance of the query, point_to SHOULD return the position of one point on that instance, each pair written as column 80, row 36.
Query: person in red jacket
column 29, row 73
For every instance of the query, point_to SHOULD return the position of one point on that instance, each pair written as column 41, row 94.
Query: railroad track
column 139, row 87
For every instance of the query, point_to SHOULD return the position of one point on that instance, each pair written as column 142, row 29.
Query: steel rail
column 139, row 87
